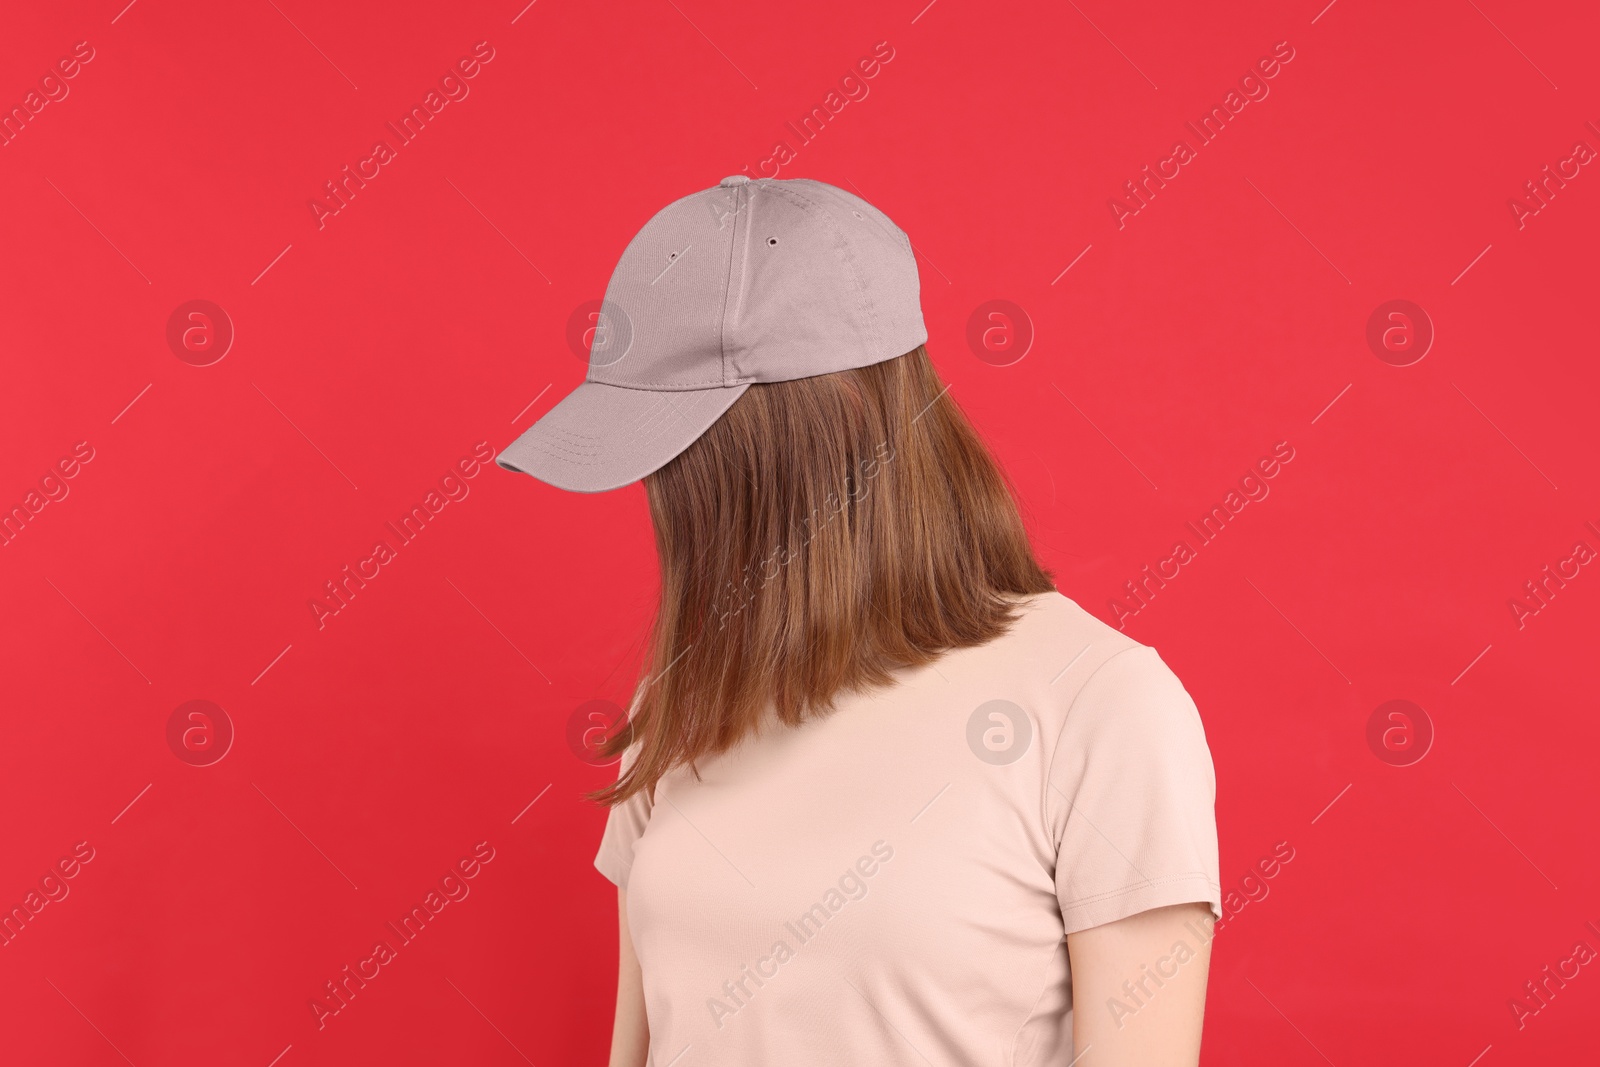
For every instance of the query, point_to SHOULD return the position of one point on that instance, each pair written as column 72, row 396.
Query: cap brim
column 602, row 437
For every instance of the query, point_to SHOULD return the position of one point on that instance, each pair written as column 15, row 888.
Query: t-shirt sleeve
column 624, row 825
column 1132, row 796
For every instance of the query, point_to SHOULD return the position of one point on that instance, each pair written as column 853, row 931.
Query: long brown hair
column 822, row 533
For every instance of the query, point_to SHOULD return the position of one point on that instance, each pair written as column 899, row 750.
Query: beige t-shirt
column 893, row 883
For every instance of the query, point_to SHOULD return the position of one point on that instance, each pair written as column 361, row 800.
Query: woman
column 885, row 796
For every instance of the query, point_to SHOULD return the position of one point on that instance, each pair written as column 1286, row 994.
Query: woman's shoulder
column 1052, row 623
column 1061, row 648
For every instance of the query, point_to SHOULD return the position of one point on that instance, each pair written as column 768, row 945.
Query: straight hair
column 823, row 533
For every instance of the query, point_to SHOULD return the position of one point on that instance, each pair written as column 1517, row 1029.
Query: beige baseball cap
column 760, row 280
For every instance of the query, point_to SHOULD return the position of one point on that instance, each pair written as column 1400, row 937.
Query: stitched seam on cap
column 847, row 259
column 556, row 451
column 576, row 436
column 740, row 205
column 675, row 387
column 666, row 425
column 657, row 414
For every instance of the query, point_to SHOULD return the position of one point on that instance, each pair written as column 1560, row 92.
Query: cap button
column 734, row 179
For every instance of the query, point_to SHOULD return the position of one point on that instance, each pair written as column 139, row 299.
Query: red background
column 430, row 313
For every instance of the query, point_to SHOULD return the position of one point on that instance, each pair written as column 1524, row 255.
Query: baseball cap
column 753, row 280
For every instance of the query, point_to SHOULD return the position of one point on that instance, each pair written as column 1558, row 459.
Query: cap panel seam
column 846, row 258
column 635, row 239
column 742, row 239
column 740, row 205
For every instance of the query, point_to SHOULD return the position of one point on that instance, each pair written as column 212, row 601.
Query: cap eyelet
column 772, row 242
